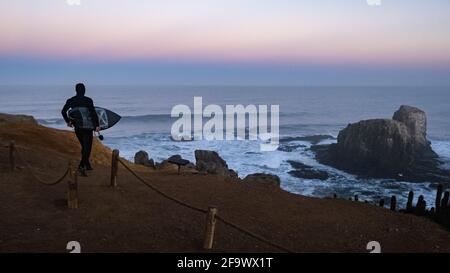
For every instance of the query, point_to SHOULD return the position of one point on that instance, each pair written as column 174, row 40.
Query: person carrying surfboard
column 83, row 132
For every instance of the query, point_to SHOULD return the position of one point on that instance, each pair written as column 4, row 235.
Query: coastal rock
column 210, row 162
column 184, row 165
column 178, row 160
column 189, row 168
column 142, row 158
column 263, row 179
column 380, row 144
column 387, row 148
column 17, row 119
column 416, row 122
column 233, row 174
column 176, row 163
column 165, row 165
column 307, row 172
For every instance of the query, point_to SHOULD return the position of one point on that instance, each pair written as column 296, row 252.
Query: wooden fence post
column 381, row 204
column 210, row 228
column 409, row 204
column 114, row 167
column 72, row 194
column 438, row 198
column 12, row 155
column 393, row 203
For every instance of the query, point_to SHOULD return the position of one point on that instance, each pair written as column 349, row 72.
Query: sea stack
column 387, row 148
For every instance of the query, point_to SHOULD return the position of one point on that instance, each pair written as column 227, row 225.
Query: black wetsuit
column 85, row 136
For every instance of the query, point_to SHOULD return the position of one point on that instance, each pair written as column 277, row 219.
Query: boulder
column 233, row 174
column 210, row 157
column 176, row 163
column 178, row 160
column 165, row 165
column 387, row 148
column 263, row 179
column 142, row 158
column 210, row 162
column 189, row 168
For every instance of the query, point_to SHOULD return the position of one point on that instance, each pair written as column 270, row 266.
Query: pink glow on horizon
column 198, row 33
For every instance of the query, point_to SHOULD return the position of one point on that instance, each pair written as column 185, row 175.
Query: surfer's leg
column 85, row 140
column 80, row 137
column 89, row 139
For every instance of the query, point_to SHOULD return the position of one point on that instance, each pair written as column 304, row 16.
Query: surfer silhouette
column 84, row 125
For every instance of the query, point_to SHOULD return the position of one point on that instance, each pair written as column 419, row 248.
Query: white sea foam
column 246, row 158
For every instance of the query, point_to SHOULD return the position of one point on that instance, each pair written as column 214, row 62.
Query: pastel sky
column 288, row 42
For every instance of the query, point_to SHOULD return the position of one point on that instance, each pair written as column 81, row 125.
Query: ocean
column 304, row 111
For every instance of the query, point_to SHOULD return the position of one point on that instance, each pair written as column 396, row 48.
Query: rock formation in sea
column 302, row 170
column 386, row 148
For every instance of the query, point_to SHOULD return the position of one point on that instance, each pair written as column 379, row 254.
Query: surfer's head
column 81, row 89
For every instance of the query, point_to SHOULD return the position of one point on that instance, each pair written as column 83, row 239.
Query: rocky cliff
column 389, row 148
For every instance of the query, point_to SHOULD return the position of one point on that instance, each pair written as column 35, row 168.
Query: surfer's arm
column 93, row 114
column 64, row 112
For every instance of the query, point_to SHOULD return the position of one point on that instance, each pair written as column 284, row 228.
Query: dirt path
column 132, row 217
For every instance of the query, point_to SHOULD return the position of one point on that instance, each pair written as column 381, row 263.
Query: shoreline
column 304, row 224
column 424, row 188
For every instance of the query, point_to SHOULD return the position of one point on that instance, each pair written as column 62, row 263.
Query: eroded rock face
column 415, row 121
column 390, row 148
column 142, row 158
column 379, row 144
column 210, row 162
column 263, row 179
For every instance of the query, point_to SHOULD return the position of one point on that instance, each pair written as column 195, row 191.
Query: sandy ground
column 133, row 218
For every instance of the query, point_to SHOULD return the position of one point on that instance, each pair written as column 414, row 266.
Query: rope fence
column 212, row 212
column 72, row 193
column 440, row 213
column 159, row 191
column 39, row 180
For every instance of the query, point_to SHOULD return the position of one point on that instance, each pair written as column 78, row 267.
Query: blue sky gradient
column 251, row 42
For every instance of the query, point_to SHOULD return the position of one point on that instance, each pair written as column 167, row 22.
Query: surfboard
column 81, row 118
